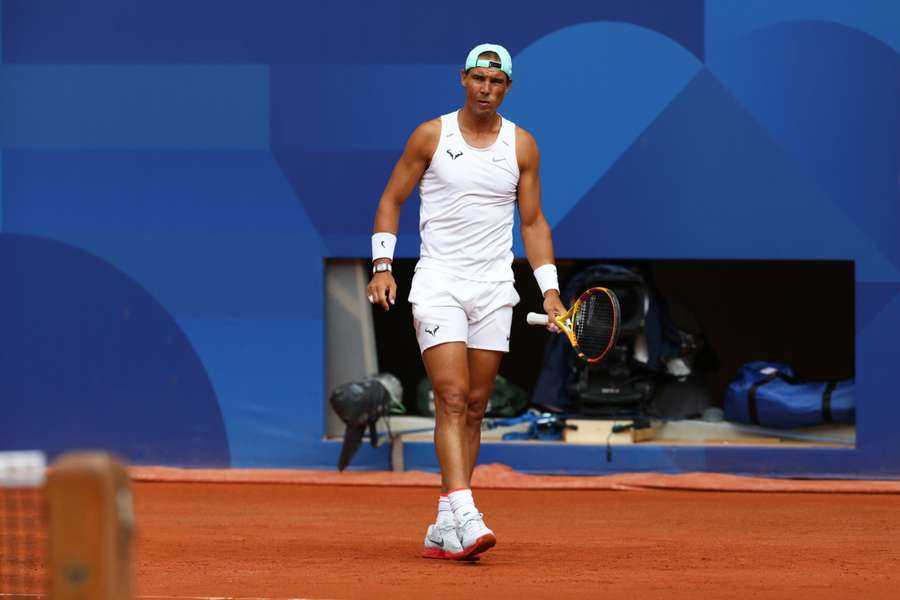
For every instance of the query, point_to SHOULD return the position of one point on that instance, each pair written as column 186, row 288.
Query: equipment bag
column 767, row 394
column 507, row 399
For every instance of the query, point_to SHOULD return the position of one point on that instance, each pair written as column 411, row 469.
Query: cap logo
column 503, row 62
column 489, row 64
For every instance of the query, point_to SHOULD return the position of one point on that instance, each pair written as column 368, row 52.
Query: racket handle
column 537, row 319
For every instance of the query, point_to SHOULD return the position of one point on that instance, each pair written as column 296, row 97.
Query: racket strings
column 595, row 324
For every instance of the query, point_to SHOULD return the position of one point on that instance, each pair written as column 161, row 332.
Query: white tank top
column 468, row 205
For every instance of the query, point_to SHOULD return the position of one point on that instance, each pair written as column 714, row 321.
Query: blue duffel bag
column 767, row 394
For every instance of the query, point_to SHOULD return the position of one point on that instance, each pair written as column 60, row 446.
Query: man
column 473, row 168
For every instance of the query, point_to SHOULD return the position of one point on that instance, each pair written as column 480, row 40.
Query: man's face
column 485, row 89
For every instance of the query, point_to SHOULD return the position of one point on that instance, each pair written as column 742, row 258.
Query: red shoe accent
column 433, row 553
column 482, row 544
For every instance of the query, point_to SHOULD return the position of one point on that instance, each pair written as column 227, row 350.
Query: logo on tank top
column 454, row 156
column 433, row 330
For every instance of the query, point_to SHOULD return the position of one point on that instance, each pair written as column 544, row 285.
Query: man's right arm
column 406, row 174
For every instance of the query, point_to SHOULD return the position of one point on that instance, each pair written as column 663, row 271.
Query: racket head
column 592, row 324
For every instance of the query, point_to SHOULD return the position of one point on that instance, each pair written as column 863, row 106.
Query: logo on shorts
column 433, row 330
column 453, row 156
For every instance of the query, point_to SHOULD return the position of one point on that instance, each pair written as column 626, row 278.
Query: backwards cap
column 504, row 65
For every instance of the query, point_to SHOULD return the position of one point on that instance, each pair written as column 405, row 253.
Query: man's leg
column 448, row 371
column 483, row 366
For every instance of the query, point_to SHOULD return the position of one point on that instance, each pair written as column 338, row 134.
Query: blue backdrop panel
column 321, row 180
column 871, row 299
column 268, row 377
column 358, row 107
column 833, row 107
column 877, row 385
column 90, row 359
column 203, row 158
column 286, row 31
column 729, row 20
column 148, row 106
column 688, row 202
column 625, row 76
column 566, row 459
column 209, row 233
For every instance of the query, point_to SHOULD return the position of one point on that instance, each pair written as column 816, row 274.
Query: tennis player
column 473, row 168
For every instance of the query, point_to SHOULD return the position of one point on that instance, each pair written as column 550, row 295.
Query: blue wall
column 174, row 173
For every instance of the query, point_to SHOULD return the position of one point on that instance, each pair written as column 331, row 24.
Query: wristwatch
column 381, row 267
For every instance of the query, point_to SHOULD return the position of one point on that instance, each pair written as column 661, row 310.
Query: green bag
column 507, row 399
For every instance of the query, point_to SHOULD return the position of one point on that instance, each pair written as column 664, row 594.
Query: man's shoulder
column 431, row 127
column 523, row 136
column 428, row 131
column 526, row 147
column 424, row 138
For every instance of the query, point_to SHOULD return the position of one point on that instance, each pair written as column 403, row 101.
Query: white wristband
column 383, row 245
column 546, row 278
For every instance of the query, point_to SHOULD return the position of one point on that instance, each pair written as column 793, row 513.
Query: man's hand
column 382, row 289
column 553, row 306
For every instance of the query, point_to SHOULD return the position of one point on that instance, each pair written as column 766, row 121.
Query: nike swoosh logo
column 439, row 542
column 495, row 159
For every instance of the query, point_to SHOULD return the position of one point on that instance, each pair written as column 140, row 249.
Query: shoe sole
column 482, row 544
column 440, row 554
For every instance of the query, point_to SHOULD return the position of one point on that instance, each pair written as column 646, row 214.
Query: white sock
column 462, row 504
column 445, row 513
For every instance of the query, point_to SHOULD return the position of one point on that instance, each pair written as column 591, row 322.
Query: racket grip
column 537, row 319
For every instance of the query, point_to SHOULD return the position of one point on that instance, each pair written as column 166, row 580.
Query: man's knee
column 478, row 401
column 451, row 400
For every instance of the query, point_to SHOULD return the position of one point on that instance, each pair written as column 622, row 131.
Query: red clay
column 497, row 476
column 319, row 541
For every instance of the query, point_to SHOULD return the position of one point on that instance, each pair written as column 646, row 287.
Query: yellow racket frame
column 564, row 322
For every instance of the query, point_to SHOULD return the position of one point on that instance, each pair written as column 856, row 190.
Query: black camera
column 621, row 385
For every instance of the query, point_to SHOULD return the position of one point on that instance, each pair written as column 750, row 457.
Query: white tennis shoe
column 441, row 540
column 474, row 536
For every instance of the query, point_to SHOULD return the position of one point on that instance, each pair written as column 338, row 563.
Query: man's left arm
column 534, row 227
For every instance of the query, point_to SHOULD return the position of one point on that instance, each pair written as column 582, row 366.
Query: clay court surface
column 297, row 540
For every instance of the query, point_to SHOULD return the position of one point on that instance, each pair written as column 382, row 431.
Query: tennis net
column 66, row 529
column 23, row 529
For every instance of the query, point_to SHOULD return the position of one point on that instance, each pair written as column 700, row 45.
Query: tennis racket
column 592, row 324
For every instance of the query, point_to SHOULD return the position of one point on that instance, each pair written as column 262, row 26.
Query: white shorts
column 451, row 309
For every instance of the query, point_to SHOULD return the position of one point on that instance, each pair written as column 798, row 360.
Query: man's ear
column 462, row 77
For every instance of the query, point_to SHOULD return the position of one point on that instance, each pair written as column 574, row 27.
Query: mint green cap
column 504, row 65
